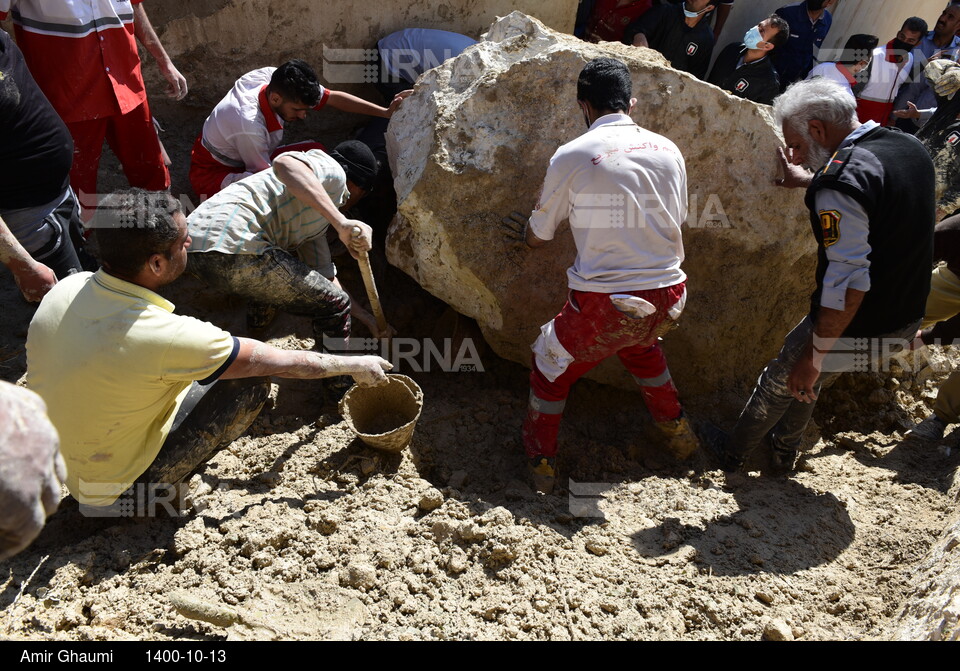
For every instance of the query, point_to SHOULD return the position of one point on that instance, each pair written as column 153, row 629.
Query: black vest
column 891, row 176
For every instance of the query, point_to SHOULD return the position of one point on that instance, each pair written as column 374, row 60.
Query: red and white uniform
column 886, row 76
column 624, row 191
column 835, row 72
column 240, row 136
column 84, row 57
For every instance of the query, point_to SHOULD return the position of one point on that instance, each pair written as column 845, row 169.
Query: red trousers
column 207, row 173
column 589, row 329
column 132, row 137
column 871, row 110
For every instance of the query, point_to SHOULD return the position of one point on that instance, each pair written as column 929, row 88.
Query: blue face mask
column 691, row 15
column 752, row 38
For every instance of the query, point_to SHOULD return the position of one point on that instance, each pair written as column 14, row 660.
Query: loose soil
column 298, row 530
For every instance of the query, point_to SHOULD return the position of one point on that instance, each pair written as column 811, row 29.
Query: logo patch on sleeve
column 692, row 48
column 830, row 225
column 742, row 86
column 953, row 139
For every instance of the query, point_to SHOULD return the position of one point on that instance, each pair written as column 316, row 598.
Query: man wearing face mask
column 848, row 71
column 874, row 251
column 679, row 32
column 889, row 68
column 809, row 24
column 624, row 191
column 745, row 69
column 264, row 238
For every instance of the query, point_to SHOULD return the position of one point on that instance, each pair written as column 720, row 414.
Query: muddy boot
column 715, row 441
column 932, row 428
column 681, row 440
column 259, row 317
column 543, row 471
column 336, row 387
column 782, row 457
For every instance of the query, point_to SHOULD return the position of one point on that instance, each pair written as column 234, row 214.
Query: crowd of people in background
column 887, row 80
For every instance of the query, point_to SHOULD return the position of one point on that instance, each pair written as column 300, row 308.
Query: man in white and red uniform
column 889, row 69
column 243, row 132
column 624, row 191
column 84, row 57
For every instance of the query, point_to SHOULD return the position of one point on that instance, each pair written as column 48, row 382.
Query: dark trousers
column 282, row 281
column 771, row 408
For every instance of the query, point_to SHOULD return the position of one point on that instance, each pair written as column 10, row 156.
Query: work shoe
column 715, row 441
column 681, row 440
column 932, row 428
column 336, row 387
column 260, row 316
column 543, row 470
column 783, row 459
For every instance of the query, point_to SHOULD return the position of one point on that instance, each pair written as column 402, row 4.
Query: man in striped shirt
column 264, row 238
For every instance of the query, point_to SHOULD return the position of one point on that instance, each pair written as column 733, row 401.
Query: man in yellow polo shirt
column 117, row 368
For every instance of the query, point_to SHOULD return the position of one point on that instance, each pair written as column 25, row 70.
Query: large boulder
column 473, row 143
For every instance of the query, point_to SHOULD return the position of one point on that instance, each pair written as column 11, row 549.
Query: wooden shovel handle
column 367, row 272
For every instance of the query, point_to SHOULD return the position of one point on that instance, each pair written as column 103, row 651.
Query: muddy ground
column 298, row 530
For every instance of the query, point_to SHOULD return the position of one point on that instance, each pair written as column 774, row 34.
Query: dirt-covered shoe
column 336, row 387
column 681, row 440
column 782, row 461
column 932, row 428
column 543, row 471
column 259, row 317
column 715, row 441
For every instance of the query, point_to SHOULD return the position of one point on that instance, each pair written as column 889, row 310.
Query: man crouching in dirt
column 141, row 396
column 264, row 238
column 624, row 191
column 871, row 203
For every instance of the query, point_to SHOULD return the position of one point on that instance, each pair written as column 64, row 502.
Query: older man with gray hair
column 870, row 192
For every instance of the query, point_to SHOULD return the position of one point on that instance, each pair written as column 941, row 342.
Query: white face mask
column 752, row 38
column 691, row 15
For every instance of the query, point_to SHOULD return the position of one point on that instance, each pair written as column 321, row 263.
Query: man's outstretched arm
column 258, row 359
column 354, row 105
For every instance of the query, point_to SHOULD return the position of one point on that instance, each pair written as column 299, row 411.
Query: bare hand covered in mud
column 369, row 370
column 515, row 226
column 35, row 281
column 386, row 333
column 32, row 468
column 370, row 322
column 357, row 237
column 794, row 176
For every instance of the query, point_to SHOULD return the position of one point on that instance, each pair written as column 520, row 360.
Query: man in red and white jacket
column 84, row 57
column 624, row 191
column 889, row 69
column 242, row 135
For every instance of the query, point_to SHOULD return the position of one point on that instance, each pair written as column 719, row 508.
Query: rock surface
column 933, row 614
column 473, row 143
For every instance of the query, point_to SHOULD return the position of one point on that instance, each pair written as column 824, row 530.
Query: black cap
column 358, row 162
